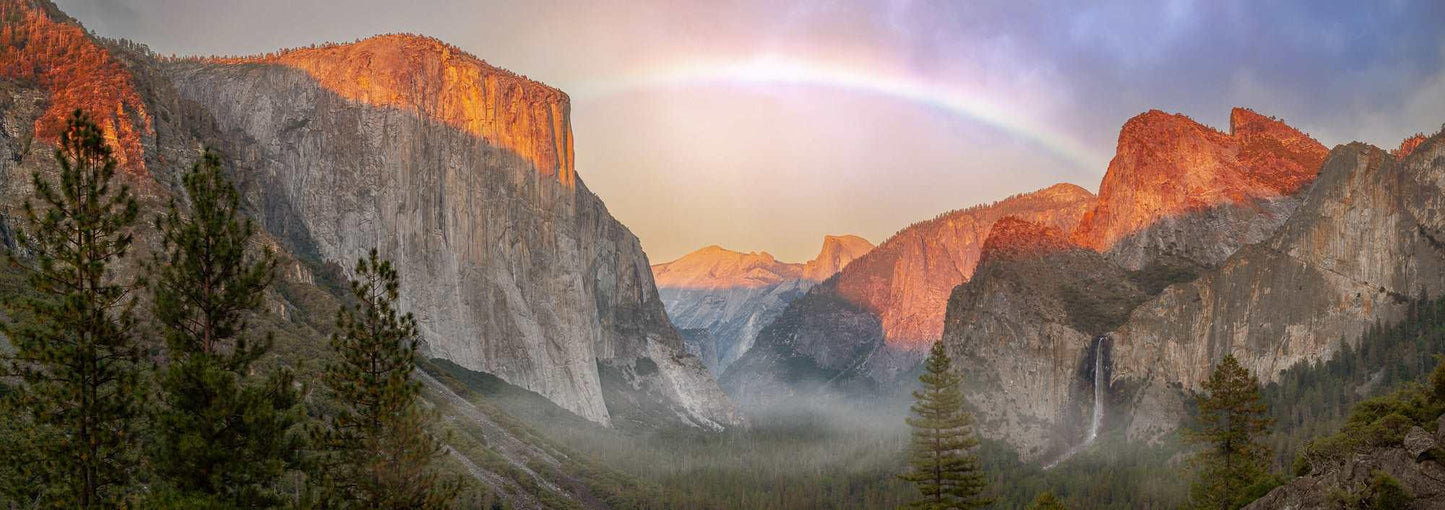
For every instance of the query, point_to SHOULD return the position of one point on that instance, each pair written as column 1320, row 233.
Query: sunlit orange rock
column 1408, row 146
column 906, row 280
column 1013, row 237
column 1168, row 164
column 443, row 83
column 54, row 53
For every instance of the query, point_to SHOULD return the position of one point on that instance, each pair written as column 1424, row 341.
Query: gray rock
column 510, row 269
column 1418, row 442
column 1425, row 481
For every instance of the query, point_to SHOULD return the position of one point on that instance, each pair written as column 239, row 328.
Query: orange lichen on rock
column 1408, row 146
column 76, row 73
column 445, row 84
column 1167, row 165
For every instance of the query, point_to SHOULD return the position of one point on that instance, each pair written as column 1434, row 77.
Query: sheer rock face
column 836, row 254
column 1365, row 240
column 870, row 324
column 1023, row 328
column 1362, row 240
column 907, row 279
column 1178, row 192
column 437, row 81
column 734, row 295
column 461, row 174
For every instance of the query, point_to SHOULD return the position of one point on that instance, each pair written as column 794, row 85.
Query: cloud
column 775, row 166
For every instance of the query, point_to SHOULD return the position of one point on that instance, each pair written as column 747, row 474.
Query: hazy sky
column 763, row 125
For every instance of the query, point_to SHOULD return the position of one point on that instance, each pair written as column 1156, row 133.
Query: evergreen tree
column 1232, row 421
column 377, row 450
column 74, row 352
column 942, row 462
column 220, row 432
column 1047, row 501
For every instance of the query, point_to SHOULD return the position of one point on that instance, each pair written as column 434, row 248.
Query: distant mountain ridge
column 732, row 295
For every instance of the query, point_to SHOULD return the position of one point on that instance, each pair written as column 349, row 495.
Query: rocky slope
column 1362, row 241
column 733, row 295
column 907, row 279
column 1415, row 465
column 1024, row 324
column 1178, row 200
column 1366, row 239
column 869, row 324
column 1179, row 193
column 462, row 174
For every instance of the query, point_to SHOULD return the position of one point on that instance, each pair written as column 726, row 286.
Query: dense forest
column 831, row 455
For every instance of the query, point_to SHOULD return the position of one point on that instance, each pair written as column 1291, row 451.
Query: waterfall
column 1100, row 383
column 1101, row 388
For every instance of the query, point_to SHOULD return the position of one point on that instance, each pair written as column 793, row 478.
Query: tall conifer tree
column 942, row 462
column 1232, row 421
column 377, row 450
column 75, row 354
column 223, row 433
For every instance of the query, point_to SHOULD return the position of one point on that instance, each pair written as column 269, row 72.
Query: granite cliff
column 1307, row 271
column 869, row 324
column 1023, row 327
column 462, row 174
column 732, row 295
column 1183, row 196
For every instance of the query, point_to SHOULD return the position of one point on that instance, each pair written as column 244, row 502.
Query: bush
column 1386, row 493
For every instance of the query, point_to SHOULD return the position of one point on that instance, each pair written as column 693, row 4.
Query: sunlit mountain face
column 481, row 254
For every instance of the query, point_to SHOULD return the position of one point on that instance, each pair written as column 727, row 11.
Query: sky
column 764, row 125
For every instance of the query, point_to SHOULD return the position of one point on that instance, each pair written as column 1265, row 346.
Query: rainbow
column 776, row 70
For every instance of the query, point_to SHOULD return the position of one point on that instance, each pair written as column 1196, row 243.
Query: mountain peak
column 717, row 267
column 440, row 82
column 1168, row 164
column 837, row 253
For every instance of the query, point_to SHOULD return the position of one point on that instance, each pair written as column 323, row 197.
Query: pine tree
column 942, row 462
column 222, row 432
column 377, row 450
column 1047, row 501
column 1232, row 422
column 74, row 351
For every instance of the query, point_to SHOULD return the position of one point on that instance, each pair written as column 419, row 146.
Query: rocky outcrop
column 906, row 280
column 1178, row 201
column 1408, row 146
column 1366, row 239
column 902, row 287
column 45, row 47
column 1179, row 193
column 837, row 253
column 461, row 174
column 1024, row 327
column 1332, row 482
column 734, row 295
column 703, row 346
